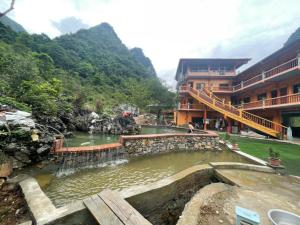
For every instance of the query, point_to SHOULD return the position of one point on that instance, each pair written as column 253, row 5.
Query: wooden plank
column 101, row 212
column 126, row 213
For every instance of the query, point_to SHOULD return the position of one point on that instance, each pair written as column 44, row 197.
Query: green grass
column 289, row 153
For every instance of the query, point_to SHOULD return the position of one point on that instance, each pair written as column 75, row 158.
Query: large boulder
column 24, row 141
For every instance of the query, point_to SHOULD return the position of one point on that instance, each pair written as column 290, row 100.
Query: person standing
column 191, row 128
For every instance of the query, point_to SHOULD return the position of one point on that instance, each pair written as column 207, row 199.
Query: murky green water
column 137, row 171
column 86, row 139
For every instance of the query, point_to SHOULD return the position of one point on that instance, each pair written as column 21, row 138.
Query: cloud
column 171, row 29
column 69, row 25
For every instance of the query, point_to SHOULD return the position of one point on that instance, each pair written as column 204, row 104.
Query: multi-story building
column 265, row 97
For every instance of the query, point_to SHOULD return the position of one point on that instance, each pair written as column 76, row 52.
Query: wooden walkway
column 109, row 208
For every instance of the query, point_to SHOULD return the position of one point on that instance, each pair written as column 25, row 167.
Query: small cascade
column 75, row 161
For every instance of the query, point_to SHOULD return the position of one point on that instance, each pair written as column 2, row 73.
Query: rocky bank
column 27, row 140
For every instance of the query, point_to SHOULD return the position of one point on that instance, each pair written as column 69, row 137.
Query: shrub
column 5, row 100
column 273, row 154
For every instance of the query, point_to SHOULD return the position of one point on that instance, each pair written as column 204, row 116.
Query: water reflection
column 137, row 171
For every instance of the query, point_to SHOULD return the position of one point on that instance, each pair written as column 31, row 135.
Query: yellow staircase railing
column 259, row 123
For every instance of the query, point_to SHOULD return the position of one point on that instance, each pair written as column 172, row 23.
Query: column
column 205, row 117
column 229, row 125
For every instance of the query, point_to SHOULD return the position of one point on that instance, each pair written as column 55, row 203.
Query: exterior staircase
column 208, row 98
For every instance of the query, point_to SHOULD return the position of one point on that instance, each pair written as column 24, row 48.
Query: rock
column 19, row 119
column 20, row 211
column 221, row 221
column 2, row 181
column 17, row 179
column 10, row 187
column 22, row 157
column 6, row 168
column 26, row 223
column 17, row 164
column 68, row 134
column 43, row 149
column 42, row 164
column 11, row 147
column 94, row 116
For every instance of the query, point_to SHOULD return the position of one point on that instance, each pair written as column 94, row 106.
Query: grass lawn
column 289, row 153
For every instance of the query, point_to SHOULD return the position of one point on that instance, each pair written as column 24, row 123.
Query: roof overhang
column 209, row 61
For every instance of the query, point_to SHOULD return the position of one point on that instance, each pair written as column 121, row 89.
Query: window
column 274, row 94
column 198, row 68
column 283, row 91
column 224, row 86
column 261, row 96
column 246, row 99
column 200, row 86
column 296, row 88
column 215, row 68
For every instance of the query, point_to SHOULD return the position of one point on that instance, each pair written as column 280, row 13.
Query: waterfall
column 75, row 161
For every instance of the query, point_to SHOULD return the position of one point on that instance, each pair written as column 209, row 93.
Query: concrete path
column 257, row 191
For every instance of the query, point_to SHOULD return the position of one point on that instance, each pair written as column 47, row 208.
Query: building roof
column 221, row 61
column 282, row 55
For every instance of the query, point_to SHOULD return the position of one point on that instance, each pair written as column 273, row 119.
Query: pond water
column 86, row 139
column 136, row 171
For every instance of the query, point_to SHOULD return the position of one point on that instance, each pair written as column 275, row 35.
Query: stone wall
column 158, row 143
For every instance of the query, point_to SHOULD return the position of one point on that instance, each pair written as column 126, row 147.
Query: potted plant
column 274, row 158
column 235, row 146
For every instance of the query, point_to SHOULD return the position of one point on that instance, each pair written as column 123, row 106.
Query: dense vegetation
column 91, row 69
column 12, row 24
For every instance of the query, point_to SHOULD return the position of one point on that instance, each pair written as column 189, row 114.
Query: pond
column 136, row 171
column 86, row 139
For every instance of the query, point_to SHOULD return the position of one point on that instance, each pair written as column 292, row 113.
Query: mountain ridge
column 12, row 24
column 90, row 69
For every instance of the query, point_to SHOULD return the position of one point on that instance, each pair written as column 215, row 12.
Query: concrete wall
column 162, row 202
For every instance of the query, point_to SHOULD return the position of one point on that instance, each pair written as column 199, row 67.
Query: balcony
column 190, row 107
column 209, row 73
column 282, row 101
column 289, row 66
column 220, row 89
column 276, row 72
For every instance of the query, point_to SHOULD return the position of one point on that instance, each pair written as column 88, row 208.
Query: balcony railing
column 221, row 89
column 190, row 107
column 267, row 74
column 282, row 100
column 245, row 116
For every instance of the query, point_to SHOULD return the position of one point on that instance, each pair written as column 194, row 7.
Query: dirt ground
column 256, row 191
column 13, row 208
column 212, row 213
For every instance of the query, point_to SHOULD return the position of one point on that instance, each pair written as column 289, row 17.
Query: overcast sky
column 171, row 29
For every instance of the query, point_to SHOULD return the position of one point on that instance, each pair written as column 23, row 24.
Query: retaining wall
column 159, row 143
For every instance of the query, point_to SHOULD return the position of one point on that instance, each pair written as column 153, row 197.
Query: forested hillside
column 293, row 37
column 12, row 24
column 91, row 69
